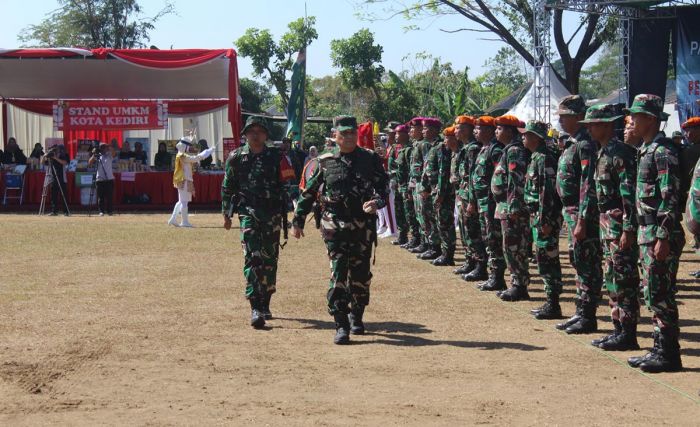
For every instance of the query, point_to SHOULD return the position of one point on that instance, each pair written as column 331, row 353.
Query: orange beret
column 485, row 121
column 509, row 120
column 449, row 131
column 691, row 123
column 464, row 120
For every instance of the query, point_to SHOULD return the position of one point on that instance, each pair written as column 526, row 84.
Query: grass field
column 124, row 320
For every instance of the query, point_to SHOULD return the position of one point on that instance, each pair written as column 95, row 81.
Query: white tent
column 525, row 109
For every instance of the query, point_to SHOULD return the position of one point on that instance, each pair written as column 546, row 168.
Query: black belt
column 609, row 206
column 646, row 219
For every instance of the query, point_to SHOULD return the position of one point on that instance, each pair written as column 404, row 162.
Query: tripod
column 48, row 181
column 93, row 187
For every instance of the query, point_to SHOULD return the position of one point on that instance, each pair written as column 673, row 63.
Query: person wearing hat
column 660, row 236
column 403, row 171
column 352, row 185
column 427, row 150
column 183, row 179
column 508, row 188
column 544, row 207
column 481, row 201
column 575, row 187
column 253, row 189
column 396, row 162
column 104, row 178
column 690, row 155
column 615, row 174
column 474, row 267
column 415, row 172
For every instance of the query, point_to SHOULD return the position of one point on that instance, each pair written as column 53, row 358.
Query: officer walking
column 352, row 184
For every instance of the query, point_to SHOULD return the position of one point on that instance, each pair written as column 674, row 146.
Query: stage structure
column 626, row 11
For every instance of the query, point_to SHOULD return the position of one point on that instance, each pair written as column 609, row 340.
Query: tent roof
column 115, row 74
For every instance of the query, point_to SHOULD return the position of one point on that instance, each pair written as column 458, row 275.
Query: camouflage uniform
column 433, row 166
column 427, row 214
column 469, row 226
column 480, row 193
column 692, row 209
column 423, row 208
column 508, row 187
column 444, row 201
column 399, row 213
column 253, row 189
column 409, row 208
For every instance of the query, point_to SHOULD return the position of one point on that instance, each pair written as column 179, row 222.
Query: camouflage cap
column 391, row 126
column 537, row 128
column 572, row 105
column 676, row 134
column 649, row 104
column 342, row 123
column 255, row 121
column 601, row 113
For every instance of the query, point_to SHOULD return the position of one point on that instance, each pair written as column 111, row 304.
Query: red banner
column 230, row 144
column 105, row 115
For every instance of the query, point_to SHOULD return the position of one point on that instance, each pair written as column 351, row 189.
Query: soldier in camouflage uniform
column 688, row 159
column 392, row 156
column 403, row 169
column 508, row 188
column 253, row 189
column 545, row 211
column 659, row 232
column 615, row 175
column 352, row 184
column 418, row 152
column 430, row 147
column 474, row 267
column 481, row 201
column 576, row 189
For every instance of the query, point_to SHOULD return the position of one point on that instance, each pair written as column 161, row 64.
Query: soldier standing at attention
column 481, row 201
column 402, row 180
column 253, row 189
column 576, row 189
column 545, row 212
column 352, row 184
column 688, row 160
column 508, row 188
column 615, row 175
column 430, row 147
column 659, row 224
column 392, row 156
column 420, row 148
column 443, row 194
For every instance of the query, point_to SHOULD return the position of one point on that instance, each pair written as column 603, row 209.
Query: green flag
column 295, row 108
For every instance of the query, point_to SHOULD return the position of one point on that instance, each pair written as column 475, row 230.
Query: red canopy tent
column 190, row 81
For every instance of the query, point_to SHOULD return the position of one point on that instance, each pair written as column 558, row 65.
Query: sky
column 217, row 23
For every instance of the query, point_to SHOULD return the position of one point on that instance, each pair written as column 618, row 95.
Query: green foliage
column 256, row 97
column 602, row 77
column 273, row 61
column 94, row 24
column 359, row 60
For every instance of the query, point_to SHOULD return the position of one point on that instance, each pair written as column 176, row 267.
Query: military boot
column 357, row 327
column 430, row 254
column 478, row 273
column 550, row 310
column 465, row 268
column 573, row 319
column 495, row 282
column 625, row 340
column 402, row 240
column 342, row 328
column 415, row 241
column 587, row 323
column 618, row 329
column 267, row 314
column 571, row 257
column 515, row 293
column 668, row 355
column 636, row 361
column 444, row 260
column 257, row 319
column 422, row 247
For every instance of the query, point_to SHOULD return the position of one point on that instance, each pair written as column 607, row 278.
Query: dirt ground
column 124, row 320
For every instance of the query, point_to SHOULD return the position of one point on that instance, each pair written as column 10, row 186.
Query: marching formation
column 616, row 183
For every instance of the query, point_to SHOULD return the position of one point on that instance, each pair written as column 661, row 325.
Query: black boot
column 342, row 328
column 515, row 293
column 587, row 323
column 573, row 319
column 430, row 254
column 550, row 310
column 257, row 320
column 444, row 260
column 495, row 282
column 357, row 327
column 625, row 340
column 267, row 314
column 465, row 268
column 402, row 240
column 636, row 361
column 419, row 249
column 415, row 241
column 618, row 329
column 668, row 356
column 478, row 273
column 571, row 258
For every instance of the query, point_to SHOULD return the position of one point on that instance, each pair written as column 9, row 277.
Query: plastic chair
column 14, row 183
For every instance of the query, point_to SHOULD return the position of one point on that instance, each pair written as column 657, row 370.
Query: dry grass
column 96, row 329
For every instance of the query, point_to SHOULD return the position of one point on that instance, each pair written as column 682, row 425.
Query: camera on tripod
column 51, row 152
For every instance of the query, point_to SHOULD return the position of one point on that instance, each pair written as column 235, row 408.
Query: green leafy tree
column 359, row 60
column 256, row 97
column 272, row 60
column 93, row 24
column 603, row 77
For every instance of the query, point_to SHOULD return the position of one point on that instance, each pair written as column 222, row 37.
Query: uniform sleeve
column 380, row 181
column 626, row 169
column 548, row 208
column 587, row 196
column 517, row 168
column 669, row 187
column 307, row 197
column 428, row 170
column 229, row 187
column 444, row 173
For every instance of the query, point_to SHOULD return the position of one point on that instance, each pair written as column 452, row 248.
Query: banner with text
column 104, row 115
column 688, row 63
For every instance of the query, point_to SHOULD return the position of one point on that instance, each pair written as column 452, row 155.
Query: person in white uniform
column 184, row 181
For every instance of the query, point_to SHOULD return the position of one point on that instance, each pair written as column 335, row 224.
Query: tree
column 256, row 97
column 359, row 60
column 93, row 24
column 511, row 21
column 602, row 77
column 274, row 60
